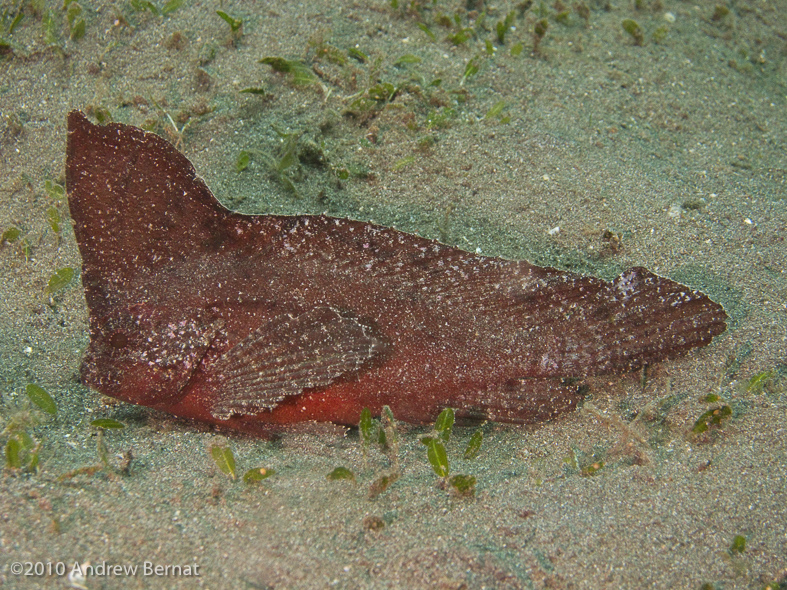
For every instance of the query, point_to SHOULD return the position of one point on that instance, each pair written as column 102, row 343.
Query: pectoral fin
column 288, row 355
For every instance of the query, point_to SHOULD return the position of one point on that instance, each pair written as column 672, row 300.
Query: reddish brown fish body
column 255, row 321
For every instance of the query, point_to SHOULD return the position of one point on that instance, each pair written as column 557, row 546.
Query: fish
column 256, row 322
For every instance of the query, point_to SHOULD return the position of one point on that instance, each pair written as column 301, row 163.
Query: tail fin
column 637, row 319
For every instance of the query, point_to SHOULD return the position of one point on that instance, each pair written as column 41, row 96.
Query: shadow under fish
column 255, row 321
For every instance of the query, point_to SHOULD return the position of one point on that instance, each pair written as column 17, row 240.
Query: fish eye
column 118, row 339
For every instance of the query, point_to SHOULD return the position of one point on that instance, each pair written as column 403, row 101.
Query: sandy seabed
column 591, row 153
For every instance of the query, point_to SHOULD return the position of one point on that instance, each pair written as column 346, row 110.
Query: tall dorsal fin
column 121, row 179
